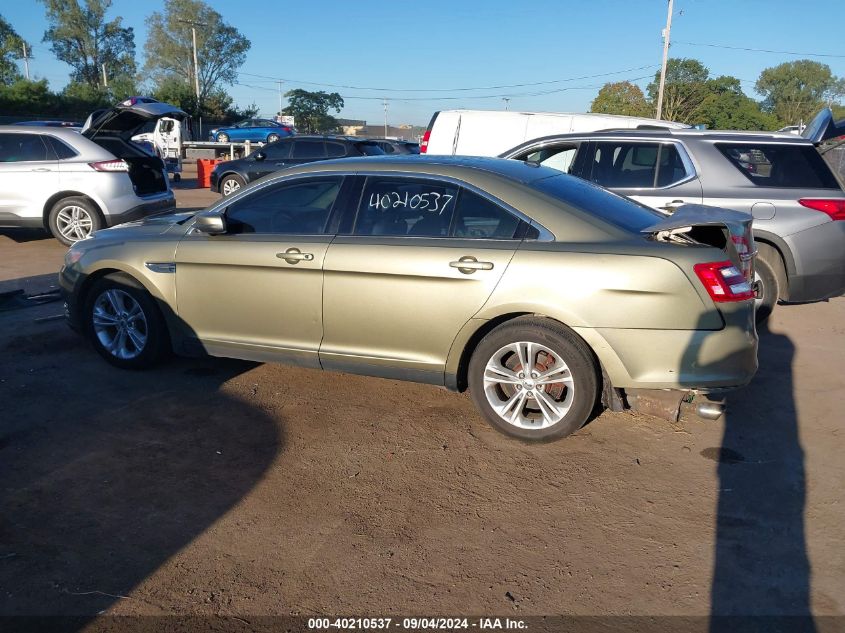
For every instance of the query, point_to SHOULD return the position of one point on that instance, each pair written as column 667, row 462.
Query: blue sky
column 435, row 45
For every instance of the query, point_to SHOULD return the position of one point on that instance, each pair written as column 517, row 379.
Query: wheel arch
column 67, row 193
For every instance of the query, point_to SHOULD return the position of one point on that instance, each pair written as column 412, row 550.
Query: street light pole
column 280, row 101
column 666, row 34
column 25, row 61
column 385, row 118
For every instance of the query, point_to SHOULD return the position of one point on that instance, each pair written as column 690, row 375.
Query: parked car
column 395, row 146
column 779, row 179
column 72, row 184
column 489, row 132
column 539, row 292
column 229, row 176
column 253, row 130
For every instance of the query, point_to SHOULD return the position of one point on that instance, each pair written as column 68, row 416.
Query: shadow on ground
column 107, row 473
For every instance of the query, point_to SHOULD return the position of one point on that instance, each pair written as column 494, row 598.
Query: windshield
column 614, row 209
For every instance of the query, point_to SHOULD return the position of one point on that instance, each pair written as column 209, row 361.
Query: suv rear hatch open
column 113, row 129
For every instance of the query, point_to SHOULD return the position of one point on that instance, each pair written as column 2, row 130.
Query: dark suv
column 228, row 177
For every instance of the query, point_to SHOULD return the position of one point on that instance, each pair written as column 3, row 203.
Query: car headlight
column 73, row 255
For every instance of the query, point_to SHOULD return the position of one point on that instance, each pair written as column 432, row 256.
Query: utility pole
column 280, row 100
column 385, row 118
column 105, row 77
column 196, row 64
column 666, row 34
column 507, row 103
column 25, row 61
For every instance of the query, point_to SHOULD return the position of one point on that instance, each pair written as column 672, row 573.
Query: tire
column 768, row 271
column 109, row 322
column 177, row 177
column 222, row 137
column 230, row 184
column 554, row 346
column 272, row 138
column 73, row 219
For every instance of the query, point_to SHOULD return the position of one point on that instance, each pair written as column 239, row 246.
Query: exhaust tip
column 710, row 410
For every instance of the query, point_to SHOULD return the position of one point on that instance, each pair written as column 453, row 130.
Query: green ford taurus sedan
column 543, row 294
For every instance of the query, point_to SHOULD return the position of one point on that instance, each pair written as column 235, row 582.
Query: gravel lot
column 224, row 487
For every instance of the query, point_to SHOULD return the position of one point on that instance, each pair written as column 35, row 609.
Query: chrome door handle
column 671, row 206
column 280, row 164
column 41, row 169
column 468, row 265
column 294, row 255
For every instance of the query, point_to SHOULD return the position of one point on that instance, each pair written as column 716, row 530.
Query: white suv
column 72, row 184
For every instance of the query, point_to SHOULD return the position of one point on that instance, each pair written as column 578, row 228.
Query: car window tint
column 335, row 150
column 300, row 207
column 558, row 157
column 370, row 149
column 477, row 216
column 618, row 164
column 17, row 148
column 406, row 207
column 309, row 149
column 276, row 151
column 789, row 166
column 61, row 149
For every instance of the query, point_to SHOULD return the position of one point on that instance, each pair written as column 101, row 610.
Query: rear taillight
column 746, row 257
column 724, row 282
column 424, row 142
column 110, row 165
column 834, row 208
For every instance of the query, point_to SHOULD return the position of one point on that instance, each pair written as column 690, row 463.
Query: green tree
column 793, row 91
column 684, row 89
column 221, row 49
column 311, row 109
column 726, row 107
column 218, row 105
column 27, row 98
column 621, row 97
column 82, row 37
column 11, row 50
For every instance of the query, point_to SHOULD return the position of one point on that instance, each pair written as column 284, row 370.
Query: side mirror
column 210, row 223
column 260, row 155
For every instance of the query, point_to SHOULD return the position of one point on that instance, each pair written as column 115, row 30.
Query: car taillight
column 424, row 142
column 110, row 165
column 724, row 282
column 834, row 208
column 746, row 257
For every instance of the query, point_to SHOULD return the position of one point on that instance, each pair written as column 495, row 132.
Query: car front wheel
column 124, row 323
column 73, row 219
column 272, row 138
column 534, row 379
column 222, row 138
column 230, row 184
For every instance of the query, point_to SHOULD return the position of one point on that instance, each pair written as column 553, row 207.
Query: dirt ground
column 224, row 487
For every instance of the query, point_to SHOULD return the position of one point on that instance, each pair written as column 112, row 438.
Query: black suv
column 228, row 177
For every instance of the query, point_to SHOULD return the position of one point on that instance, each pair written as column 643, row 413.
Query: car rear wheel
column 124, row 323
column 230, row 184
column 768, row 272
column 272, row 138
column 73, row 219
column 222, row 137
column 534, row 379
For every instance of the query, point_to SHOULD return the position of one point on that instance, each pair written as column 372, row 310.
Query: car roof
column 61, row 132
column 519, row 171
column 691, row 133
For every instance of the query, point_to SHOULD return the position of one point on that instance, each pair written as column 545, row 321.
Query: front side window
column 406, row 207
column 18, row 148
column 309, row 149
column 293, row 208
column 276, row 151
column 636, row 165
column 558, row 157
column 789, row 166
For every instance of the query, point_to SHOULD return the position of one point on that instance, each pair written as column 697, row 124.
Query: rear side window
column 309, row 149
column 406, row 207
column 412, row 148
column 18, row 148
column 62, row 150
column 788, row 166
column 478, row 217
column 370, row 149
column 636, row 165
column 335, row 150
column 289, row 208
column 623, row 213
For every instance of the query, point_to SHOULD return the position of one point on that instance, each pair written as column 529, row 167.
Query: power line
column 462, row 89
column 760, row 50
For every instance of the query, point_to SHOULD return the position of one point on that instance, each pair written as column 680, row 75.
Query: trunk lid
column 823, row 127
column 725, row 229
column 128, row 117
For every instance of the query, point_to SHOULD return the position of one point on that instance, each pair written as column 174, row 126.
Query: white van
column 491, row 132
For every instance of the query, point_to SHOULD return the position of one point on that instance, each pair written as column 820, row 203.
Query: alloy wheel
column 528, row 385
column 120, row 324
column 74, row 223
column 230, row 186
